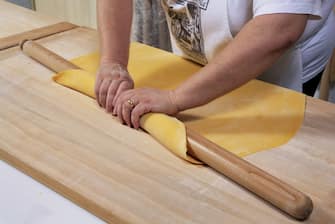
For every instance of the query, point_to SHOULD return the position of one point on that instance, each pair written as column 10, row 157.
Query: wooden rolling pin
column 266, row 186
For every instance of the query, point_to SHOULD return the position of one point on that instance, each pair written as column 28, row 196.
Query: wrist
column 183, row 100
column 113, row 62
column 113, row 66
column 175, row 101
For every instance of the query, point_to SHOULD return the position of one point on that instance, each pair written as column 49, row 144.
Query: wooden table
column 23, row 199
column 135, row 179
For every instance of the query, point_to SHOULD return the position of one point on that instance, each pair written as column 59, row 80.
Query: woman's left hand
column 132, row 104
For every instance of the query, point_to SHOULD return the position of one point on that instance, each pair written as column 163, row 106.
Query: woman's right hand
column 112, row 80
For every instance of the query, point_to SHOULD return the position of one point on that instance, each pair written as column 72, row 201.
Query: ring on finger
column 131, row 102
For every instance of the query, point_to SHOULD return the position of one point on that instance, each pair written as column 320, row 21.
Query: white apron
column 200, row 28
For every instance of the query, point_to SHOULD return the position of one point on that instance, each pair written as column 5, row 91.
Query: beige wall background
column 80, row 12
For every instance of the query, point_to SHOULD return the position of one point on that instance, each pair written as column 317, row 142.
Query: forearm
column 258, row 45
column 114, row 25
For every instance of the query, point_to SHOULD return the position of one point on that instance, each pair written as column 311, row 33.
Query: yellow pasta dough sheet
column 252, row 118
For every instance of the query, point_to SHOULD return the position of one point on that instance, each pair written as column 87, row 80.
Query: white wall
column 80, row 12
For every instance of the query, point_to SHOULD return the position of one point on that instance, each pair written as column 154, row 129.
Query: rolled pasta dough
column 255, row 117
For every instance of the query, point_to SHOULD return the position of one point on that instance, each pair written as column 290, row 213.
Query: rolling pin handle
column 256, row 180
column 46, row 57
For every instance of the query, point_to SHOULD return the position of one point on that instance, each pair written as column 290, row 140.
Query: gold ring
column 131, row 102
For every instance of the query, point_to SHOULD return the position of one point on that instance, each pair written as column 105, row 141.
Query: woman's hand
column 132, row 104
column 112, row 80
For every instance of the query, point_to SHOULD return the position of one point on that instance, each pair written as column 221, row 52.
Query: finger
column 111, row 94
column 126, row 111
column 115, row 109
column 119, row 113
column 125, row 95
column 103, row 92
column 117, row 95
column 124, row 85
column 97, row 88
column 139, row 110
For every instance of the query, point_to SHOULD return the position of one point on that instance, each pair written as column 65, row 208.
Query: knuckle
column 108, row 101
column 114, row 75
column 110, row 97
column 111, row 90
column 146, row 108
column 147, row 101
column 104, row 90
column 127, row 79
column 102, row 97
column 102, row 75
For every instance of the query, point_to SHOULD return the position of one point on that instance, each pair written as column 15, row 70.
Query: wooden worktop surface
column 15, row 19
column 64, row 140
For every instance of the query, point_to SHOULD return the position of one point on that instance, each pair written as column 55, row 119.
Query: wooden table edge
column 35, row 34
